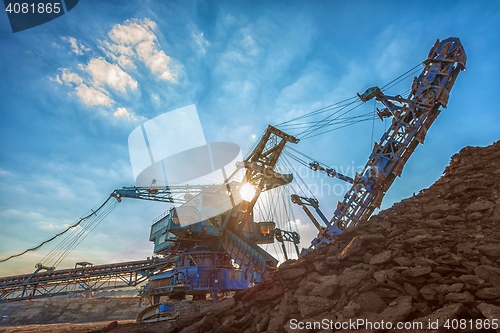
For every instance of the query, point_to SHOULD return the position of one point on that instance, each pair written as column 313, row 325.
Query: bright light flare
column 247, row 192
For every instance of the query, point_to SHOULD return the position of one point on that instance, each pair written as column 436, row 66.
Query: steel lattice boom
column 84, row 277
column 411, row 119
column 169, row 194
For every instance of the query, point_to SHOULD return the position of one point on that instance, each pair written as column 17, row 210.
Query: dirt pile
column 432, row 257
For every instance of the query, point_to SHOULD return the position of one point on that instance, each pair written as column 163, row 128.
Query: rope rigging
column 78, row 234
column 337, row 118
column 312, row 164
column 337, row 122
column 319, row 111
column 412, row 71
column 299, row 187
column 289, row 152
column 275, row 205
column 73, row 238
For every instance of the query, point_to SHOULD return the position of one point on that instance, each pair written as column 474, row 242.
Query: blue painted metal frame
column 233, row 231
column 411, row 118
column 84, row 278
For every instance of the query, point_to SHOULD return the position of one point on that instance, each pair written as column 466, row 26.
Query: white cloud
column 57, row 79
column 136, row 39
column 119, row 48
column 89, row 95
column 129, row 44
column 103, row 72
column 125, row 62
column 393, row 48
column 249, row 44
column 145, row 49
column 133, row 32
column 36, row 219
column 124, row 114
column 158, row 62
column 67, row 77
column 77, row 48
column 201, row 42
column 122, row 54
column 6, row 173
column 92, row 96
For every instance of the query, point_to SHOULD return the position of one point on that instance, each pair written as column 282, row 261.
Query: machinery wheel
column 447, row 46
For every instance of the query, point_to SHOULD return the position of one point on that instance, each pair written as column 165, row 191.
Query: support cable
column 71, row 227
column 338, row 107
column 327, row 120
column 373, row 124
column 322, row 110
column 402, row 77
column 78, row 240
column 310, row 194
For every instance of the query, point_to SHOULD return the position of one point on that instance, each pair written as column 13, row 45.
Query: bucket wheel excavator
column 208, row 243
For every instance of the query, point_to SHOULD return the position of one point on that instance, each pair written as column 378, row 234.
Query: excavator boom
column 411, row 118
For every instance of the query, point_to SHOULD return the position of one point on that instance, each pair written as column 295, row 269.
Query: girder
column 171, row 194
column 78, row 279
column 411, row 119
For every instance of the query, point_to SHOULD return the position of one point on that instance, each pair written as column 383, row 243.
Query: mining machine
column 411, row 117
column 208, row 243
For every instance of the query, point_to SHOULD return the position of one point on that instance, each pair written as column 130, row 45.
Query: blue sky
column 73, row 89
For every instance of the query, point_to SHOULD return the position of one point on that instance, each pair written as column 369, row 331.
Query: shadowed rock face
column 434, row 256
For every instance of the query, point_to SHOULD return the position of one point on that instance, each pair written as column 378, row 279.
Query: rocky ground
column 432, row 258
column 47, row 315
column 76, row 308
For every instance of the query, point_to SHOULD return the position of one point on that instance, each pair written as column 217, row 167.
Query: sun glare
column 247, row 192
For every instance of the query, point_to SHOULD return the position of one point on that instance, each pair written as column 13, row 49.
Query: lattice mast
column 411, row 119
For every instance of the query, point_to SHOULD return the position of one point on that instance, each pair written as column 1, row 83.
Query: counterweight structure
column 208, row 247
column 411, row 119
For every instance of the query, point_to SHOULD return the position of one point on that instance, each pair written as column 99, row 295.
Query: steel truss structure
column 411, row 119
column 84, row 277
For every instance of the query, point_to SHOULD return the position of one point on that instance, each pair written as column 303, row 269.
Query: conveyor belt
column 80, row 279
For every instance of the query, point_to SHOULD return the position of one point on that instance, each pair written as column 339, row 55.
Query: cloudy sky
column 73, row 89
